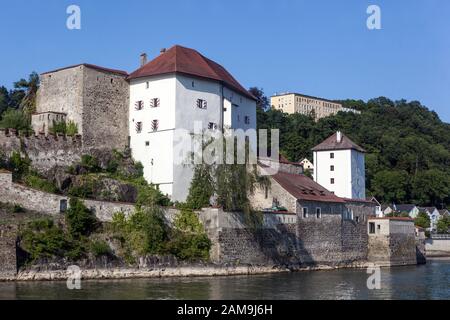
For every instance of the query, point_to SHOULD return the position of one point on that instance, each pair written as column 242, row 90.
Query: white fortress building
column 172, row 91
column 340, row 167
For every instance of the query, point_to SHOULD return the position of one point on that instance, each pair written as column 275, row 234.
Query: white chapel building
column 339, row 166
column 172, row 91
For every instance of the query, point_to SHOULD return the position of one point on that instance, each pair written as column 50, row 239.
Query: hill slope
column 408, row 146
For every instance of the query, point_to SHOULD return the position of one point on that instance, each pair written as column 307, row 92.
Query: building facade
column 176, row 91
column 94, row 98
column 307, row 105
column 339, row 166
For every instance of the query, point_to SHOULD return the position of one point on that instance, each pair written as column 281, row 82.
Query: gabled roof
column 331, row 143
column 92, row 66
column 304, row 188
column 429, row 209
column 188, row 61
column 405, row 207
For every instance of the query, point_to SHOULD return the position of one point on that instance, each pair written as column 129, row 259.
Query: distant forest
column 408, row 146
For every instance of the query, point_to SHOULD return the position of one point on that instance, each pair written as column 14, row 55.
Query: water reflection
column 431, row 281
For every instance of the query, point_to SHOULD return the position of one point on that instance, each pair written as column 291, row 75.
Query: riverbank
column 170, row 272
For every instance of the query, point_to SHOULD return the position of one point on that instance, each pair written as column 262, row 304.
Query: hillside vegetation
column 408, row 146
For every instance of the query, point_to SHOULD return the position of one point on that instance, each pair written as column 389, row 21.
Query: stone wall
column 105, row 109
column 45, row 152
column 438, row 247
column 393, row 242
column 8, row 257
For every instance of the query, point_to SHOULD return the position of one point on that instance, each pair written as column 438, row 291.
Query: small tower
column 339, row 166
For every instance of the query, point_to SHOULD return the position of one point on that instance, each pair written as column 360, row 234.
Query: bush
column 43, row 239
column 36, row 182
column 148, row 195
column 100, row 248
column 144, row 232
column 18, row 165
column 15, row 119
column 70, row 128
column 90, row 163
column 80, row 220
column 189, row 240
column 422, row 220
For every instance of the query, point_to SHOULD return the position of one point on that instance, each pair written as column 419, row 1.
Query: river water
column 430, row 281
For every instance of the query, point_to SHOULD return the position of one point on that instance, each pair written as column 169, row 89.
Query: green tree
column 30, row 88
column 80, row 220
column 431, row 187
column 443, row 224
column 422, row 220
column 391, row 186
column 201, row 189
column 15, row 119
column 262, row 102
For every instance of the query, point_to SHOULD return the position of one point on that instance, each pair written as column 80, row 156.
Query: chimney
column 143, row 59
column 338, row 137
column 163, row 50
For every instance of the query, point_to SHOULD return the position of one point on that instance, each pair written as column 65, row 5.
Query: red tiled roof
column 189, row 61
column 92, row 66
column 331, row 143
column 304, row 188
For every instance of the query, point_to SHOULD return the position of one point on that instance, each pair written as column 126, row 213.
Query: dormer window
column 138, row 127
column 139, row 105
column 154, row 103
column 202, row 104
column 155, row 125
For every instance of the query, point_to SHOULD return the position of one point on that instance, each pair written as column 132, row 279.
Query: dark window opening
column 331, row 168
column 305, row 212
column 154, row 103
column 155, row 125
column 371, row 227
column 332, row 155
column 332, row 180
column 202, row 104
column 139, row 105
column 138, row 127
column 318, row 213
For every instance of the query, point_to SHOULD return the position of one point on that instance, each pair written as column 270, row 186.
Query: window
column 147, row 143
column 155, row 125
column 372, row 227
column 138, row 127
column 154, row 103
column 318, row 213
column 147, row 85
column 212, row 126
column 202, row 104
column 247, row 120
column 357, row 219
column 332, row 155
column 305, row 212
column 62, row 206
column 193, row 84
column 139, row 105
column 331, row 168
column 332, row 180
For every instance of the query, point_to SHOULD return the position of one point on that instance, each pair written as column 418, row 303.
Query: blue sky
column 319, row 47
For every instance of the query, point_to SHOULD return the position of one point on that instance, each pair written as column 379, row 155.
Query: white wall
column 348, row 174
column 178, row 109
column 161, row 172
column 342, row 171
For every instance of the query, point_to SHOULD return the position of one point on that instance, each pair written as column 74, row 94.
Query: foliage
column 43, row 239
column 90, row 163
column 148, row 195
column 15, row 119
column 70, row 128
column 408, row 146
column 18, row 166
column 398, row 214
column 188, row 239
column 35, row 181
column 201, row 189
column 100, row 248
column 79, row 219
column 262, row 102
column 443, row 224
column 422, row 220
column 144, row 232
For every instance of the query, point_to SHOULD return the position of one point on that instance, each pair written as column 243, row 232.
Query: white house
column 434, row 215
column 176, row 89
column 339, row 166
column 411, row 209
column 307, row 165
